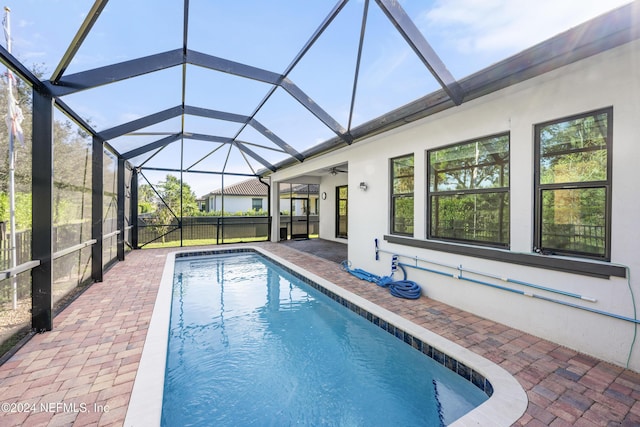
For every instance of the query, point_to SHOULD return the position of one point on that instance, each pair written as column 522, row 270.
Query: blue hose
column 405, row 289
column 398, row 288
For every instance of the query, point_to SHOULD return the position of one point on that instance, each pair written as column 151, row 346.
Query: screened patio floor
column 91, row 357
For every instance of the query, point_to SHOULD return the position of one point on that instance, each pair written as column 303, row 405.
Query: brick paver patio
column 82, row 372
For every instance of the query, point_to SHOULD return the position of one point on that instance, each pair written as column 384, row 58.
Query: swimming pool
column 507, row 400
column 251, row 344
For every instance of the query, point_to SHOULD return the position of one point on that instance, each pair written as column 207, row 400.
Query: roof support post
column 97, row 188
column 134, row 208
column 120, row 203
column 42, row 213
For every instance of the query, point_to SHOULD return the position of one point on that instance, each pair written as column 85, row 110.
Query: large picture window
column 402, row 195
column 468, row 199
column 573, row 185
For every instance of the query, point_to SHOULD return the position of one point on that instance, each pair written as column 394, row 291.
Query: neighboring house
column 296, row 199
column 202, row 203
column 244, row 196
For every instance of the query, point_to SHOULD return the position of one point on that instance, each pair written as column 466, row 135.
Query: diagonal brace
column 422, row 48
column 115, row 72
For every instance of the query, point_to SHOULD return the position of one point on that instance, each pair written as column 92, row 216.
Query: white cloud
column 384, row 66
column 93, row 116
column 127, row 117
column 507, row 26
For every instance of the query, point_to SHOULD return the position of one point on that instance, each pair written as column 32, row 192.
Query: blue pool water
column 250, row 344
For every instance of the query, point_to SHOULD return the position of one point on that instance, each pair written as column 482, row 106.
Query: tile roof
column 250, row 187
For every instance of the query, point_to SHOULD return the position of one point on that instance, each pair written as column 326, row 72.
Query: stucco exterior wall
column 327, row 206
column 234, row 203
column 608, row 79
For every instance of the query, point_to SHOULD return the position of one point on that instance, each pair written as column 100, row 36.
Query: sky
column 468, row 35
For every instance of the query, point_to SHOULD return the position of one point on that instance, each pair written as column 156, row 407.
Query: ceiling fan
column 335, row 171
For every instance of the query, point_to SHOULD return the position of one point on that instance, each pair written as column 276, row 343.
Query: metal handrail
column 73, row 248
column 5, row 274
column 113, row 233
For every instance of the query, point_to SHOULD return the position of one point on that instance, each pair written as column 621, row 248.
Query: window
column 256, row 204
column 573, row 185
column 468, row 199
column 342, row 217
column 402, row 195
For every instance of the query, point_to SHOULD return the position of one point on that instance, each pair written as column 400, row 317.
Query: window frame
column 255, row 201
column 605, row 184
column 495, row 190
column 339, row 233
column 393, row 196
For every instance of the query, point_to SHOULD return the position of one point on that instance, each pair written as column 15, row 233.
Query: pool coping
column 506, row 404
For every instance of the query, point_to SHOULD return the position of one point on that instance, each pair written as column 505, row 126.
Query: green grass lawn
column 200, row 242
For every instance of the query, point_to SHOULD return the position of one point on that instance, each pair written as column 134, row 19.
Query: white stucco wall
column 609, row 79
column 328, row 206
column 234, row 203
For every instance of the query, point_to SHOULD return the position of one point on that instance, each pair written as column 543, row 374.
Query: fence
column 464, row 230
column 579, row 238
column 63, row 236
column 23, row 254
column 218, row 229
column 287, row 221
column 23, row 248
column 573, row 237
column 215, row 229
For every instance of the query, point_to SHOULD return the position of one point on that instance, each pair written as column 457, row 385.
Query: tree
column 72, row 163
column 72, row 151
column 165, row 205
column 146, row 199
column 169, row 190
column 469, row 190
column 22, row 93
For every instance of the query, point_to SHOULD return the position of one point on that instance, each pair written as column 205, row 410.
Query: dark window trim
column 585, row 268
column 254, row 203
column 606, row 184
column 337, row 216
column 392, row 212
column 431, row 193
column 471, row 191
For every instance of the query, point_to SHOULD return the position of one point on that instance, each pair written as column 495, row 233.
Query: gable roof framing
column 605, row 32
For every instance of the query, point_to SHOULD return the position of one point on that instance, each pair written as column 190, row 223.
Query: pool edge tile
column 145, row 404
